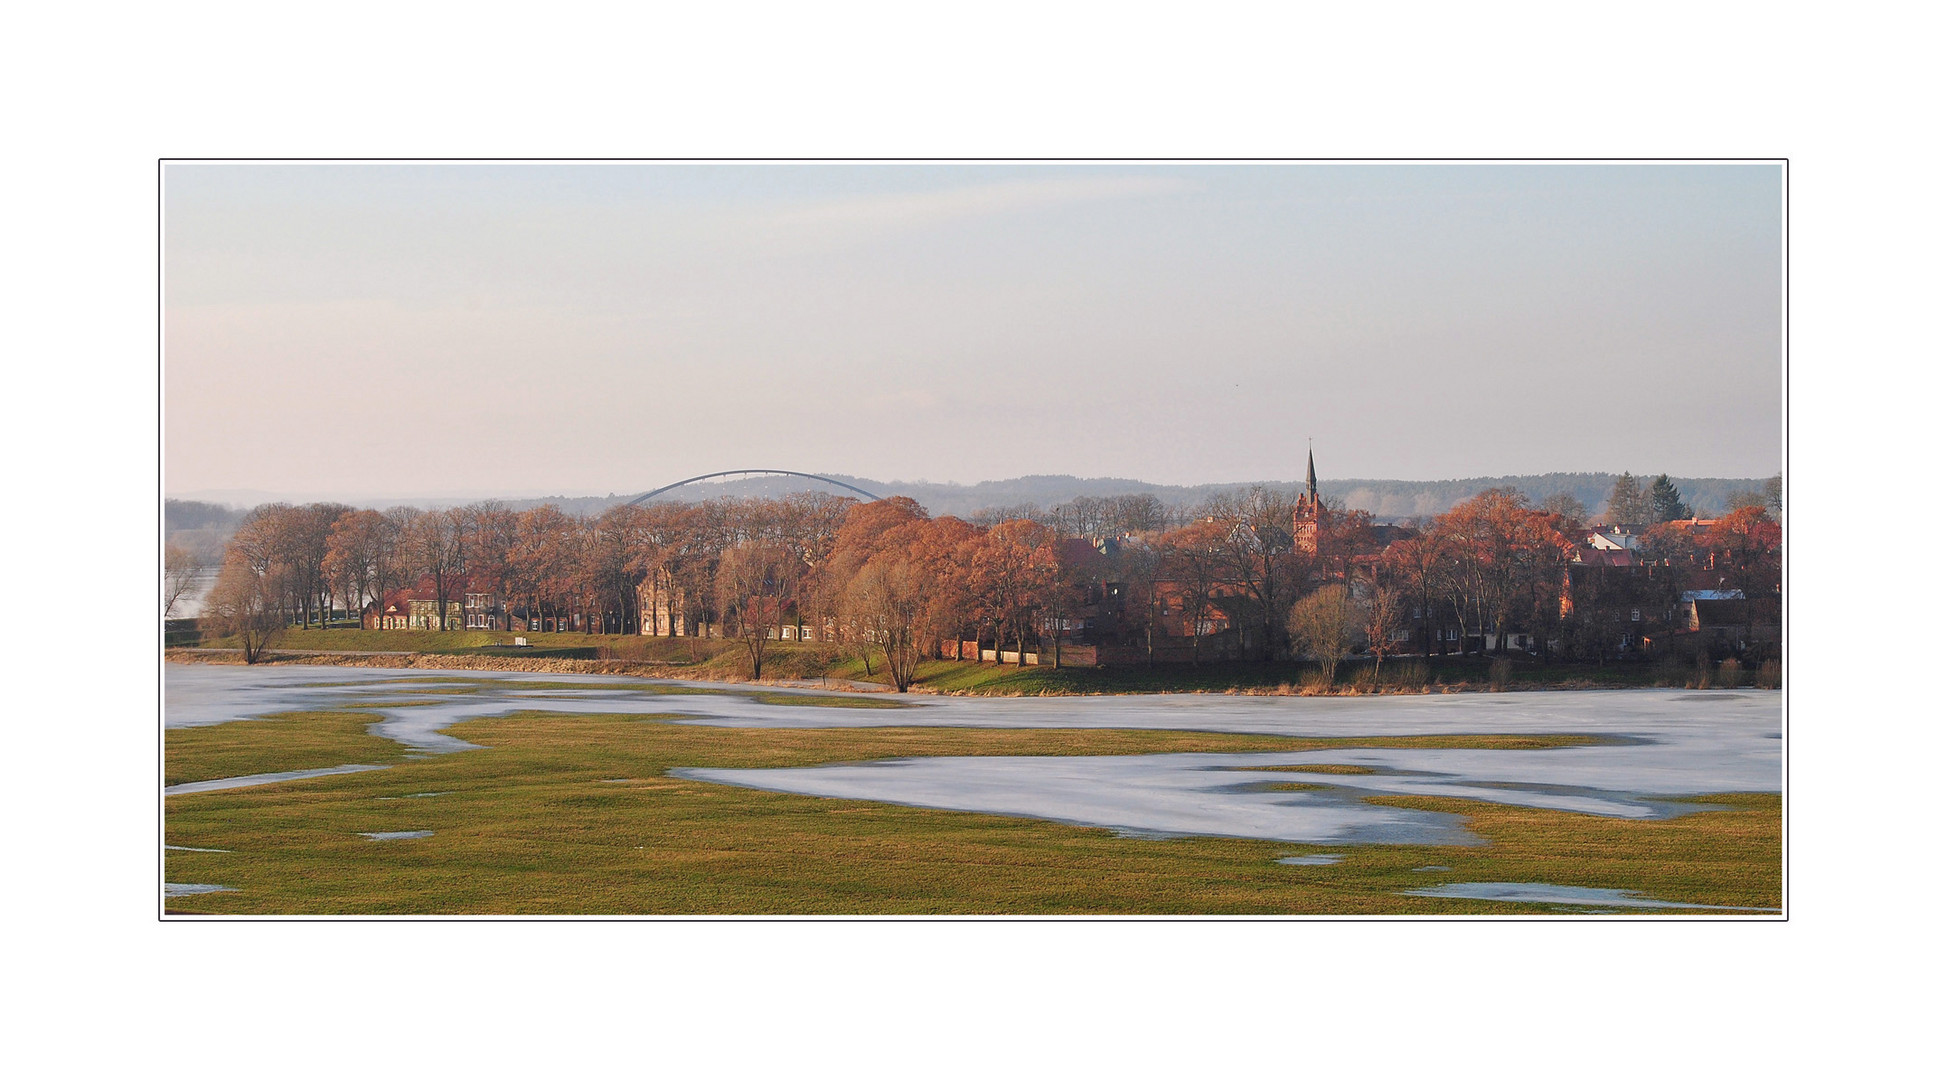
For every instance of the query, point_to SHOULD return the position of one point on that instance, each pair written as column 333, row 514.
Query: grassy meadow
column 566, row 814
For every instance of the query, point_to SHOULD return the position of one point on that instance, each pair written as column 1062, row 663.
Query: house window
column 1635, row 615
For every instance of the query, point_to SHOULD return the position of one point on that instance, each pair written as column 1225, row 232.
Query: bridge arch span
column 646, row 496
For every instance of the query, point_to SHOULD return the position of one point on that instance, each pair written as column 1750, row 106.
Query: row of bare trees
column 890, row 581
column 304, row 562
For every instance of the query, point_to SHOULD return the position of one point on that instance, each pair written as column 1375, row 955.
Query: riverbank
column 795, row 664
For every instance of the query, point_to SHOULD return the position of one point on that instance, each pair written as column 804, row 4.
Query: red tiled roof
column 1599, row 557
column 457, row 587
column 1079, row 552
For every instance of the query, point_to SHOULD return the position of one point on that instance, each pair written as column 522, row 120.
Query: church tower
column 1309, row 515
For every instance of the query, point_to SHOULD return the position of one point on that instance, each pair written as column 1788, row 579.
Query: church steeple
column 1306, row 516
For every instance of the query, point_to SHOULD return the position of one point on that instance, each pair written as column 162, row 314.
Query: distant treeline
column 200, row 523
column 200, row 529
column 1386, row 500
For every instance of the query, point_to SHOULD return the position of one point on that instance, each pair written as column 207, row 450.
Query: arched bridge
column 646, row 496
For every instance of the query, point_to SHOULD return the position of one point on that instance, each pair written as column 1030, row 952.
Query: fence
column 1167, row 651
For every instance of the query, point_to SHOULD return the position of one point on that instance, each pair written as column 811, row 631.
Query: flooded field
column 1647, row 747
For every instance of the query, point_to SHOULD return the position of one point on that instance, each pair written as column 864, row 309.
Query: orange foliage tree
column 1012, row 566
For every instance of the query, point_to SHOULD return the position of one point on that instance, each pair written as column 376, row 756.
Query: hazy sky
column 523, row 329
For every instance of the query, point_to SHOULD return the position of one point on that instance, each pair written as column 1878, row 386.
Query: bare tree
column 435, row 544
column 179, row 572
column 620, row 551
column 1420, row 563
column 491, row 533
column 538, row 565
column 1141, row 564
column 248, row 606
column 891, row 595
column 362, row 557
column 307, row 539
column 1385, row 615
column 1013, row 567
column 1256, row 551
column 755, row 582
column 1196, row 565
column 1573, row 514
column 1325, row 625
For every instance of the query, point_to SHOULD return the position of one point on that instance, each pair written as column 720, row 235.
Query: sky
column 357, row 330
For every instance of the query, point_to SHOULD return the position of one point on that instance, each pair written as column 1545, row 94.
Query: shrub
column 1771, row 675
column 1700, row 674
column 1730, row 674
column 1411, row 674
column 1499, row 672
column 1671, row 671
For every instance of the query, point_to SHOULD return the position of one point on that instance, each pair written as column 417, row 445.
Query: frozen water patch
column 209, row 850
column 1311, row 860
column 171, row 888
column 1154, row 795
column 199, row 695
column 410, row 834
column 1655, row 745
column 1253, row 796
column 1530, row 892
column 419, row 727
column 1432, row 869
column 265, row 778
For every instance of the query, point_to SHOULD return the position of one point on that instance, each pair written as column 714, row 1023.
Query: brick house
column 671, row 609
column 470, row 605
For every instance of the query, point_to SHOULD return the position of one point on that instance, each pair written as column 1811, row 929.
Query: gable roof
column 1605, row 557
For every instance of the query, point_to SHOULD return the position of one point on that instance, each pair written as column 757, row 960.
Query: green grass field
column 276, row 744
column 577, row 815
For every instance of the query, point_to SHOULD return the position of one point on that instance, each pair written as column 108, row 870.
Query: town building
column 1308, row 517
column 671, row 608
column 417, row 608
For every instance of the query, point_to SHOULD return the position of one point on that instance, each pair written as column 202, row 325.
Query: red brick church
column 1308, row 517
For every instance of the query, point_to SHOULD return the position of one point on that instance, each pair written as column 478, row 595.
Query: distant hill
column 1414, row 498
column 1385, row 499
column 200, row 528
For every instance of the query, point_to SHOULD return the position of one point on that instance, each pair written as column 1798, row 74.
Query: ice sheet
column 1658, row 744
